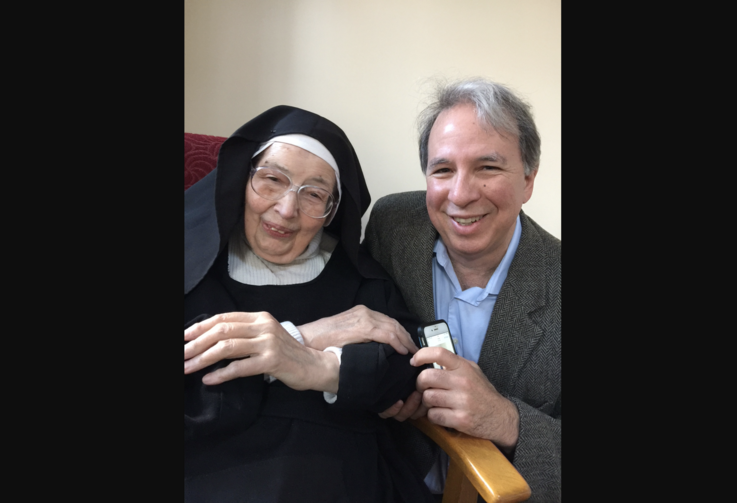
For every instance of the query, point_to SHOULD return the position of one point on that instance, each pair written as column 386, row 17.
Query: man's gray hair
column 496, row 106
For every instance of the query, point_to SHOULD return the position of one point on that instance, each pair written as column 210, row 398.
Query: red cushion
column 200, row 156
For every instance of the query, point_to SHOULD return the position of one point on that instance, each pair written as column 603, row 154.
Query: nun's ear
column 331, row 215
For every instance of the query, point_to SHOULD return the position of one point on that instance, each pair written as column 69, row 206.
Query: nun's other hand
column 257, row 344
column 358, row 324
column 403, row 410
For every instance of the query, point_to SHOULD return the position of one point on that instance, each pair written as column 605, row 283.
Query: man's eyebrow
column 494, row 157
column 436, row 161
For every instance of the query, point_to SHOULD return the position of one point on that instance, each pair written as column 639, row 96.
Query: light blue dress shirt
column 467, row 313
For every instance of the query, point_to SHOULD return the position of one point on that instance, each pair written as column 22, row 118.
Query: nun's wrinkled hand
column 257, row 344
column 358, row 324
column 403, row 410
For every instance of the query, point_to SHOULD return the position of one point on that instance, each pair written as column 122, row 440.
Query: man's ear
column 529, row 185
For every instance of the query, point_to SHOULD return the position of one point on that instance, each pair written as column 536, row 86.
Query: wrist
column 327, row 376
column 308, row 336
column 293, row 331
column 508, row 441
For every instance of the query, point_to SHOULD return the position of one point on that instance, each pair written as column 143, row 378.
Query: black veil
column 216, row 204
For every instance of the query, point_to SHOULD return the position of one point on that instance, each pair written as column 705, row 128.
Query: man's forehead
column 482, row 148
column 462, row 133
column 464, row 116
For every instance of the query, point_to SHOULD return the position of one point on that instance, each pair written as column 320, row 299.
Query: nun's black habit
column 247, row 440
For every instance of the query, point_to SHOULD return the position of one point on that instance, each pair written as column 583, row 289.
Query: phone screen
column 440, row 338
column 438, row 334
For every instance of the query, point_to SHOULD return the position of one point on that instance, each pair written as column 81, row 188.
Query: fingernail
column 412, row 361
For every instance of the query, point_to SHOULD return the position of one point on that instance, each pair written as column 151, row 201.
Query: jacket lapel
column 425, row 243
column 513, row 332
column 412, row 256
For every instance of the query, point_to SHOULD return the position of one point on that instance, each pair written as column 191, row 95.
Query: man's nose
column 288, row 206
column 464, row 190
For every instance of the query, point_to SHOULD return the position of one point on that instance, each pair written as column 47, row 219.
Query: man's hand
column 257, row 344
column 402, row 410
column 459, row 396
column 358, row 324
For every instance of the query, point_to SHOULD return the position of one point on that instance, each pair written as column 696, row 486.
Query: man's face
column 476, row 186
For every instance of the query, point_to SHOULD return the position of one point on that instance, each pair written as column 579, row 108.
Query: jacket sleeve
column 537, row 455
column 536, row 387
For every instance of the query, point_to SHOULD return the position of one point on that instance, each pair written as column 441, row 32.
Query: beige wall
column 368, row 66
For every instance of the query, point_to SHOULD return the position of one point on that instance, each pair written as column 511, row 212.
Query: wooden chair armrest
column 476, row 461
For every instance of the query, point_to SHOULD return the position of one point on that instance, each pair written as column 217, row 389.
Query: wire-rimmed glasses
column 273, row 184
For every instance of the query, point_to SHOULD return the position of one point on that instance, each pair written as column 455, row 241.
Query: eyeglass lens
column 273, row 184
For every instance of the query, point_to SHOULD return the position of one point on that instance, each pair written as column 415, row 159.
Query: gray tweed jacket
column 521, row 353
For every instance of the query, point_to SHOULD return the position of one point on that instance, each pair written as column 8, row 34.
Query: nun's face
column 278, row 231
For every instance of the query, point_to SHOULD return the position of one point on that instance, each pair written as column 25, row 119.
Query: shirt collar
column 497, row 279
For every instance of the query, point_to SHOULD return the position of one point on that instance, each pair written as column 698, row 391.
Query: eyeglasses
column 273, row 184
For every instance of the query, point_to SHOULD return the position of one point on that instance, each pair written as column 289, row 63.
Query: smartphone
column 436, row 333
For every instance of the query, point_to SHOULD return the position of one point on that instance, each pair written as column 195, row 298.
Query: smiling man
column 464, row 251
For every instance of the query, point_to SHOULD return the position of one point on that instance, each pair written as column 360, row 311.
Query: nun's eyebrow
column 317, row 179
column 274, row 164
column 310, row 181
